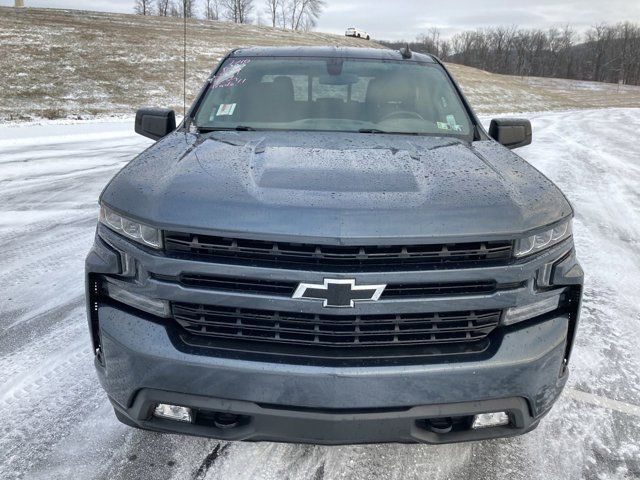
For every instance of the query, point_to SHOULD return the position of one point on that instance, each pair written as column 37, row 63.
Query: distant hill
column 64, row 62
column 68, row 63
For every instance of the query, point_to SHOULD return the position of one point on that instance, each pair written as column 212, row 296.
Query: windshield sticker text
column 227, row 77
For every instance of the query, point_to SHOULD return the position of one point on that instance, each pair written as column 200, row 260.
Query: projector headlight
column 136, row 231
column 548, row 238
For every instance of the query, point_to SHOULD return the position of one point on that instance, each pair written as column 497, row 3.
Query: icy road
column 55, row 421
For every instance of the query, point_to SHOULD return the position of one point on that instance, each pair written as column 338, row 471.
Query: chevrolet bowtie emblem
column 338, row 293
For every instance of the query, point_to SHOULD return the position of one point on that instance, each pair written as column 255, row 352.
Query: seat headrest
column 282, row 88
column 382, row 91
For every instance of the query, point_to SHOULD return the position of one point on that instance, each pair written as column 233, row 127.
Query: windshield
column 335, row 94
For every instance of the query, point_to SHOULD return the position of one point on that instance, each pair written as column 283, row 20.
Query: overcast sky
column 404, row 19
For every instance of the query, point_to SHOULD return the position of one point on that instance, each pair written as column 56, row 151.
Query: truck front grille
column 314, row 256
column 268, row 331
column 286, row 288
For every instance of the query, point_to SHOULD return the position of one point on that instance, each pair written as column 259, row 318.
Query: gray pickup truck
column 331, row 249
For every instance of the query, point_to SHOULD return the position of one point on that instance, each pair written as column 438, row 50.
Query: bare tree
column 295, row 14
column 212, row 9
column 143, row 7
column 308, row 14
column 182, row 8
column 175, row 10
column 284, row 13
column 609, row 53
column 272, row 10
column 189, row 8
column 238, row 11
column 163, row 7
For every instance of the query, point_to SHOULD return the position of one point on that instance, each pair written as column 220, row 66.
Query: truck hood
column 336, row 186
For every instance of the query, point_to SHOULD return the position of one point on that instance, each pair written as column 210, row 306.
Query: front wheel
column 368, row 37
column 358, row 35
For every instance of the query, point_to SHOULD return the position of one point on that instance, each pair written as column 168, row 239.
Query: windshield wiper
column 240, row 128
column 371, row 130
column 375, row 130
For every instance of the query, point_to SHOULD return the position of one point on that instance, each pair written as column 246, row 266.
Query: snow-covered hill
column 66, row 63
column 56, row 63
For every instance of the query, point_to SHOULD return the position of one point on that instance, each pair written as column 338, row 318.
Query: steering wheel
column 402, row 114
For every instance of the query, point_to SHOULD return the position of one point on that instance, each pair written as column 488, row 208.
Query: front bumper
column 282, row 402
column 325, row 427
column 140, row 362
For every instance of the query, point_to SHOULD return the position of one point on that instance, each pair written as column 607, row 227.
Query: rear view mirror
column 511, row 132
column 155, row 123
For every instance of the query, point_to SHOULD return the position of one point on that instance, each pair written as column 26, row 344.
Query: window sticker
column 451, row 121
column 226, row 109
column 443, row 126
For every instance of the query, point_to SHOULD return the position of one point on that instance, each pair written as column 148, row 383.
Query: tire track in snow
column 605, row 402
column 48, row 386
column 54, row 382
column 208, row 461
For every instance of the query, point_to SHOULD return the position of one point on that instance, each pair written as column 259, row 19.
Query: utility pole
column 19, row 3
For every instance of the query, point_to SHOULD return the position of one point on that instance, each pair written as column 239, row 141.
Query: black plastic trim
column 284, row 423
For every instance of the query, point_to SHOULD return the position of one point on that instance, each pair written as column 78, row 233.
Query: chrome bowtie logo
column 338, row 293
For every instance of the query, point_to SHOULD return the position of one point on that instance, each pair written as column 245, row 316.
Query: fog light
column 485, row 420
column 173, row 412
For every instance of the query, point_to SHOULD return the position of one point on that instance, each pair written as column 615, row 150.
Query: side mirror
column 511, row 132
column 155, row 123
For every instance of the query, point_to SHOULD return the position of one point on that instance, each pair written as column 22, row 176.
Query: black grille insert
column 270, row 328
column 286, row 288
column 297, row 255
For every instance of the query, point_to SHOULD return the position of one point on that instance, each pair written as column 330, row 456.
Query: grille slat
column 196, row 326
column 381, row 341
column 370, row 328
column 200, row 310
column 284, row 288
column 297, row 255
column 270, row 328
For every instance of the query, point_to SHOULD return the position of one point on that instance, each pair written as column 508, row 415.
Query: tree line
column 288, row 14
column 604, row 53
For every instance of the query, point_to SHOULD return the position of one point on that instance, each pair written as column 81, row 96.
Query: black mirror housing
column 155, row 123
column 511, row 132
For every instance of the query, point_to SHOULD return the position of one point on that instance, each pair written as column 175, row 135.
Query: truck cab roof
column 332, row 52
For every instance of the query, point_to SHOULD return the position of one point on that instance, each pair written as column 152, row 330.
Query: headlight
column 535, row 243
column 139, row 232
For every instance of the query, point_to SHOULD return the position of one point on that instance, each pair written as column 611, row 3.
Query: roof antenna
column 406, row 51
column 184, row 69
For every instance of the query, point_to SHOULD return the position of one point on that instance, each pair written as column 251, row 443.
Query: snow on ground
column 56, row 421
